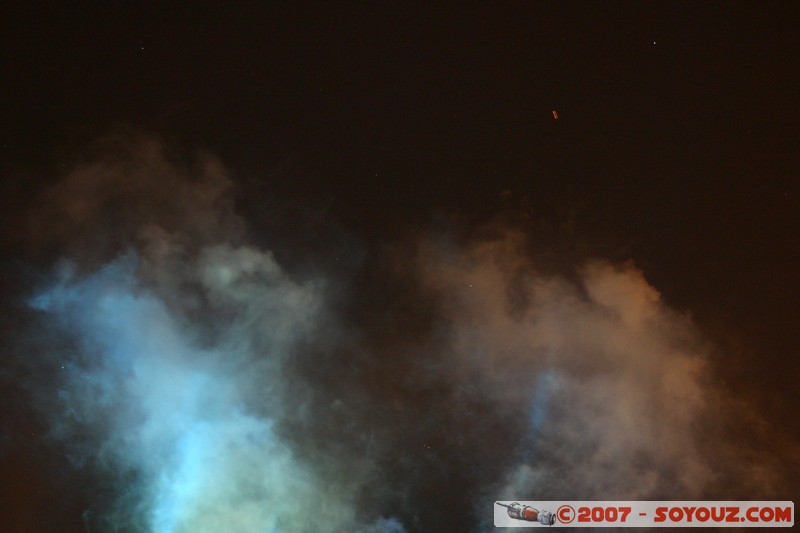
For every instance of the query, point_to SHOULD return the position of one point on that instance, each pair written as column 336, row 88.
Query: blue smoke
column 537, row 415
column 179, row 415
column 541, row 399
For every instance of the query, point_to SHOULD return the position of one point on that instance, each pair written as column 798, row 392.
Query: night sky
column 283, row 268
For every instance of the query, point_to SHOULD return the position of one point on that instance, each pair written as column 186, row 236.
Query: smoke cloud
column 180, row 341
column 612, row 387
column 216, row 390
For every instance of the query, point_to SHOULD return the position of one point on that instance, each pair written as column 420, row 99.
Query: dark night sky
column 676, row 144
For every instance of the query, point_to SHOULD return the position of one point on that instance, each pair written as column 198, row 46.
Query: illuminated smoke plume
column 613, row 390
column 180, row 343
column 214, row 390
